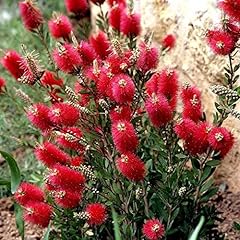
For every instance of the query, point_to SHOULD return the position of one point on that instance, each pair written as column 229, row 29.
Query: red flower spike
column 64, row 114
column 70, row 138
column 153, row 229
column 123, row 88
column 159, row 110
column 119, row 113
column 38, row 116
column 50, row 154
column 97, row 213
column 221, row 140
column 221, row 42
column 124, row 136
column 12, row 63
column 76, row 6
column 114, row 16
column 231, row 8
column 63, row 177
column 98, row 2
column 76, row 161
column 130, row 24
column 67, row 199
column 169, row 41
column 67, row 58
column 38, row 213
column 2, row 84
column 28, row 192
column 87, row 53
column 101, row 44
column 148, row 57
column 131, row 167
column 114, row 2
column 31, row 16
column 84, row 97
column 49, row 79
column 60, row 27
column 233, row 28
column 104, row 83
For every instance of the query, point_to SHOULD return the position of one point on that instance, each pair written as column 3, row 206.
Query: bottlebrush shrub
column 115, row 139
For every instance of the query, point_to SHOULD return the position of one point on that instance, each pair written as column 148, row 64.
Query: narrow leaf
column 19, row 220
column 116, row 225
column 47, row 233
column 197, row 230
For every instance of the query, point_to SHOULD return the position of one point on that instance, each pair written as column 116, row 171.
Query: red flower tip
column 31, row 16
column 64, row 114
column 221, row 140
column 67, row 58
column 221, row 42
column 233, row 28
column 38, row 116
column 131, row 167
column 63, row 177
column 70, row 138
column 118, row 113
column 148, row 57
column 231, row 8
column 60, row 26
column 97, row 213
column 38, row 213
column 114, row 16
column 87, row 53
column 28, row 192
column 124, row 136
column 2, row 84
column 123, row 88
column 76, row 6
column 115, row 2
column 49, row 79
column 130, row 24
column 66, row 198
column 50, row 154
column 77, row 161
column 101, row 44
column 80, row 90
column 153, row 229
column 169, row 41
column 158, row 109
column 12, row 63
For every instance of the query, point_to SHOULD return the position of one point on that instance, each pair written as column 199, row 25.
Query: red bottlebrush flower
column 49, row 79
column 98, row 2
column 192, row 107
column 114, row 2
column 38, row 213
column 123, row 88
column 66, row 198
column 233, row 28
column 148, row 57
column 101, row 44
column 153, row 229
column 63, row 177
column 84, row 97
column 12, row 63
column 152, row 84
column 76, row 6
column 67, row 58
column 70, row 138
column 64, row 114
column 60, row 26
column 169, row 41
column 87, row 53
column 96, row 213
column 76, row 161
column 130, row 24
column 116, row 64
column 159, row 110
column 31, row 16
column 123, row 112
column 124, row 136
column 220, row 42
column 231, row 8
column 50, row 154
column 28, row 192
column 2, row 84
column 114, row 16
column 38, row 116
column 131, row 167
column 221, row 140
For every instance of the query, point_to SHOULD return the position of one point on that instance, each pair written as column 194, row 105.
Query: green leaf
column 116, row 225
column 206, row 173
column 5, row 182
column 47, row 233
column 195, row 163
column 197, row 230
column 213, row 163
column 236, row 226
column 206, row 185
column 19, row 220
column 15, row 172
